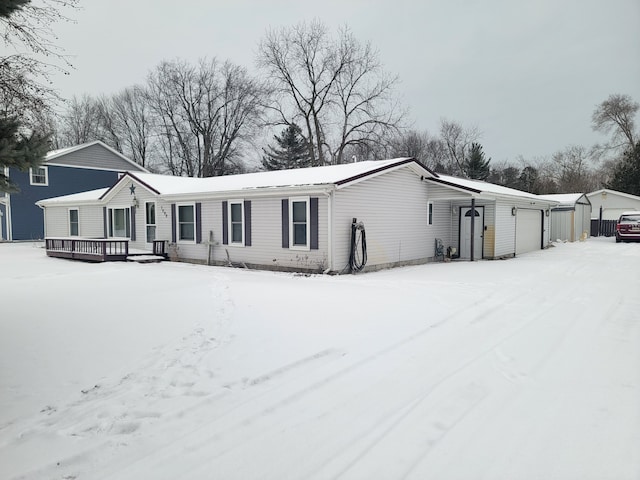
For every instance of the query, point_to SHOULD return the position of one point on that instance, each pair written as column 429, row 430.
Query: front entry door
column 465, row 232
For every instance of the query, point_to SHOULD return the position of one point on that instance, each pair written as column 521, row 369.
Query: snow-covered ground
column 524, row 369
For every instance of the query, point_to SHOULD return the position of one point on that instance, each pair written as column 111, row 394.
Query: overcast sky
column 528, row 74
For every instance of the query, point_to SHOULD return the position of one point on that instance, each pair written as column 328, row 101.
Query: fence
column 603, row 228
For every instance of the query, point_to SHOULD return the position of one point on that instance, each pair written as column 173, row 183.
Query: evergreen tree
column 475, row 166
column 626, row 174
column 18, row 150
column 292, row 151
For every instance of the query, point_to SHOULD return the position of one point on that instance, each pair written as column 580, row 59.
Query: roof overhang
column 413, row 164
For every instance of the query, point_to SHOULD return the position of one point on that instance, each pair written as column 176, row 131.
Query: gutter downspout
column 44, row 219
column 329, row 231
column 9, row 220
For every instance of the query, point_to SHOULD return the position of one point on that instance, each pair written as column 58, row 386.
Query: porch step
column 145, row 258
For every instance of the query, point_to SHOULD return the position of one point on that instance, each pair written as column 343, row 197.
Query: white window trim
column 178, row 239
column 110, row 221
column 146, row 225
column 229, row 224
column 429, row 213
column 306, row 247
column 69, row 221
column 46, row 177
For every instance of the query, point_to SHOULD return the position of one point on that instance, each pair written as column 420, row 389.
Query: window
column 74, row 224
column 39, row 176
column 300, row 223
column 236, row 224
column 429, row 213
column 120, row 222
column 150, row 219
column 186, row 223
column 299, row 220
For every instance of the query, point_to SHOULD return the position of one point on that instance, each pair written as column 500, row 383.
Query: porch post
column 599, row 222
column 473, row 221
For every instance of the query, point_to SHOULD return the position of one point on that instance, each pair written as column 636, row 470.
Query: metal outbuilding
column 571, row 218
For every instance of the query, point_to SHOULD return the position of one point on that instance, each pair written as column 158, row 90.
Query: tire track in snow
column 431, row 389
column 247, row 420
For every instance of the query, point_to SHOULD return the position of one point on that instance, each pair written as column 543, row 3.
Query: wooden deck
column 98, row 249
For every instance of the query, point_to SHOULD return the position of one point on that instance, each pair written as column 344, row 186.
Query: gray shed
column 571, row 218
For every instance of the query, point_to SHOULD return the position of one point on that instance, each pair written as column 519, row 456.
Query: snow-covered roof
column 314, row 176
column 612, row 192
column 82, row 197
column 490, row 189
column 564, row 199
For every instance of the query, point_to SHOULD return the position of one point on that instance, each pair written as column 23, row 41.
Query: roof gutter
column 250, row 192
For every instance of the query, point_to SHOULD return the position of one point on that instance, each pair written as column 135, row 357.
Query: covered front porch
column 101, row 249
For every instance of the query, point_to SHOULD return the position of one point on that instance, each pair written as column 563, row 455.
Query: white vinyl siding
column 392, row 208
column 91, row 222
column 163, row 224
column 266, row 237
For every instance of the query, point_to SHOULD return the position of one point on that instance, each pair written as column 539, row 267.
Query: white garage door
column 528, row 230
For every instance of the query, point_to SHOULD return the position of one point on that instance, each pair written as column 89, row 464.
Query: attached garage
column 508, row 222
column 529, row 229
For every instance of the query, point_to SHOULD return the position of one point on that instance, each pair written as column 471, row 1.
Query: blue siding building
column 70, row 170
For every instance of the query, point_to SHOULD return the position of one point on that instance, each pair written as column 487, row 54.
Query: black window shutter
column 104, row 219
column 285, row 223
column 133, row 224
column 313, row 227
column 173, row 223
column 198, row 222
column 225, row 223
column 247, row 223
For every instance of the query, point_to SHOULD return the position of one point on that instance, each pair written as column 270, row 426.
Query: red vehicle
column 628, row 227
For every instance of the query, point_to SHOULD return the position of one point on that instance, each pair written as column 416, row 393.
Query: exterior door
column 465, row 232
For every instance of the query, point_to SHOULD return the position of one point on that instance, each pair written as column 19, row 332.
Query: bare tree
column 80, row 123
column 572, row 171
column 31, row 55
column 457, row 140
column 367, row 109
column 616, row 115
column 335, row 89
column 126, row 123
column 202, row 113
column 429, row 150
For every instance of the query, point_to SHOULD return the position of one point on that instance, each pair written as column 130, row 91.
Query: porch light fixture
column 134, row 202
column 546, row 212
column 514, row 210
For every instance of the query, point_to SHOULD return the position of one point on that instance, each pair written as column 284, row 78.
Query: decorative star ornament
column 132, row 189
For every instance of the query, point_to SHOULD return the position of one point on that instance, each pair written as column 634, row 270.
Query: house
column 66, row 171
column 571, row 218
column 303, row 219
column 609, row 204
